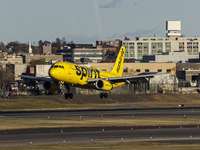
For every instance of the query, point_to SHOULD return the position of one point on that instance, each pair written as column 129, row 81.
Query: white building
column 156, row 45
column 169, row 57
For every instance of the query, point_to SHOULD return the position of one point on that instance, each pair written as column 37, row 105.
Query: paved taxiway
column 185, row 134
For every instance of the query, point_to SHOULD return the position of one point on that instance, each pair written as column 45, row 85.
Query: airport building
column 81, row 53
column 88, row 55
column 112, row 46
column 12, row 59
column 48, row 58
column 174, row 41
column 137, row 68
column 170, row 57
column 47, row 50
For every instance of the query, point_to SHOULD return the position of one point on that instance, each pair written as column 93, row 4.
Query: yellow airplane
column 68, row 74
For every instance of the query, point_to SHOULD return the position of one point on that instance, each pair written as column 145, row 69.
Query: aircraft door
column 69, row 74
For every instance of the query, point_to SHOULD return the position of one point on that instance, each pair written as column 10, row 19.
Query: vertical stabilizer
column 118, row 66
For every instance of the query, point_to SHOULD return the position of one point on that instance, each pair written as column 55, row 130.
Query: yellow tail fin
column 118, row 67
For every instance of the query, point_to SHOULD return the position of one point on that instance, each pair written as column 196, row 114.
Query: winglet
column 118, row 66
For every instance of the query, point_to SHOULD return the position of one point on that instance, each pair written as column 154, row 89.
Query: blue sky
column 85, row 21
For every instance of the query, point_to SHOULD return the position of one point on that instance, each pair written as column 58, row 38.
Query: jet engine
column 103, row 85
column 51, row 86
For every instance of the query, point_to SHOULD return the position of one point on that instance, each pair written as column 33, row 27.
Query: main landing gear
column 105, row 95
column 68, row 94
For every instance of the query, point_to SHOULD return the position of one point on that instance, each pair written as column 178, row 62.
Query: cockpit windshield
column 57, row 66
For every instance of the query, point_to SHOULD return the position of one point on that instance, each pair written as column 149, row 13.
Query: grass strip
column 26, row 123
column 93, row 101
column 115, row 146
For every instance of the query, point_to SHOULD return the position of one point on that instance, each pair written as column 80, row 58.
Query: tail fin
column 118, row 67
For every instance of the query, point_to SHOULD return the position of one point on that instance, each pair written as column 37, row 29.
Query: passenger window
column 137, row 70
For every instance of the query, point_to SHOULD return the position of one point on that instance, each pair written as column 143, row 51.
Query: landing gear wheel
column 70, row 95
column 106, row 95
column 101, row 95
column 66, row 95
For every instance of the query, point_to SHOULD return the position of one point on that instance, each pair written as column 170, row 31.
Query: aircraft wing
column 127, row 79
column 36, row 78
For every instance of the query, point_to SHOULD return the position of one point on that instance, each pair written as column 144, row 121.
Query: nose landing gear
column 68, row 94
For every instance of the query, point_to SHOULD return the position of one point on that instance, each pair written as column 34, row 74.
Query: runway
column 76, row 135
column 184, row 135
column 139, row 112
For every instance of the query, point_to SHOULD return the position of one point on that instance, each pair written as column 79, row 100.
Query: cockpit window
column 58, row 66
column 51, row 66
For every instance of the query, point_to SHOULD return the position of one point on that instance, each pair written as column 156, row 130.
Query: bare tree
column 6, row 77
column 40, row 61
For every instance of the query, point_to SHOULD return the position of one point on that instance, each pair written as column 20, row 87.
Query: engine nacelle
column 103, row 85
column 51, row 86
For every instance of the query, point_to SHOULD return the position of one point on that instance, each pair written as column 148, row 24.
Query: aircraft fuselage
column 78, row 75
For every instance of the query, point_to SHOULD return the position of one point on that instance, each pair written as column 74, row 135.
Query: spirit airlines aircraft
column 68, row 74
